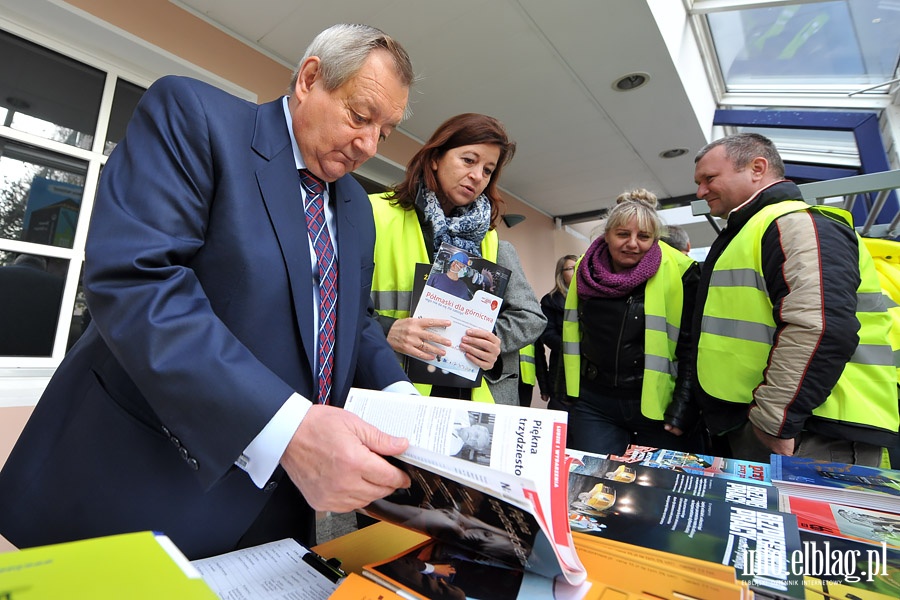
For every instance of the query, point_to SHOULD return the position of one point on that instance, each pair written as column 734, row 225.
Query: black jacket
column 810, row 264
column 553, row 306
column 612, row 348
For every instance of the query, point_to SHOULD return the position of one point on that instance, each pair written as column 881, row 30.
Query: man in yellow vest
column 793, row 355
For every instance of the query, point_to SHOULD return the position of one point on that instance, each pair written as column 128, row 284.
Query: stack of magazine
column 730, row 521
column 854, row 485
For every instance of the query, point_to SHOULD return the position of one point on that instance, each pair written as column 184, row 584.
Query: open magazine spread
column 527, row 443
column 460, row 573
column 480, row 515
column 468, row 296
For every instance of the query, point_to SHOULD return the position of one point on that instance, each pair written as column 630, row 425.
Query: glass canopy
column 809, row 47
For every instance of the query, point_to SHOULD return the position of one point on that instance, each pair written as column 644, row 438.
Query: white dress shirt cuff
column 261, row 457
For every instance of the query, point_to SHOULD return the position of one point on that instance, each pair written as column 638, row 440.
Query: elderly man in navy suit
column 204, row 400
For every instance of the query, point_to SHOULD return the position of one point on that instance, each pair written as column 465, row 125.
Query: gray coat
column 520, row 323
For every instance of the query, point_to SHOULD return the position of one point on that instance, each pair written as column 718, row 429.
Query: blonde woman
column 626, row 336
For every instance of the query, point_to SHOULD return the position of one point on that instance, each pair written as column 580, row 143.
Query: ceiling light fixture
column 629, row 82
column 673, row 153
column 511, row 220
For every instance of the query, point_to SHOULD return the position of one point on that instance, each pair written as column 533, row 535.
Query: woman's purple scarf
column 597, row 280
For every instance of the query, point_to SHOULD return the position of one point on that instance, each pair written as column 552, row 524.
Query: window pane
column 822, row 146
column 124, row 102
column 48, row 94
column 31, row 289
column 811, row 47
column 40, row 195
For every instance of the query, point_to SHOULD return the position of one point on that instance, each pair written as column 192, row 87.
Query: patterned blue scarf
column 464, row 228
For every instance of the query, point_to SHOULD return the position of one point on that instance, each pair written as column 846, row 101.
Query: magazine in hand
column 469, row 297
column 526, row 443
column 482, row 515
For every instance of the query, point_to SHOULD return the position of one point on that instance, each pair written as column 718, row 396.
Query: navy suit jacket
column 198, row 277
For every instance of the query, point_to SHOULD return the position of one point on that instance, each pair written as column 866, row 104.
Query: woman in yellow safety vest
column 450, row 195
column 626, row 339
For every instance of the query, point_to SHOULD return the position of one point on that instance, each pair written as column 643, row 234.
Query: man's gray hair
column 676, row 237
column 343, row 49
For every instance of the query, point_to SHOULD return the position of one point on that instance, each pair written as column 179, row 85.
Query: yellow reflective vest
column 663, row 306
column 399, row 245
column 886, row 255
column 737, row 330
column 527, row 370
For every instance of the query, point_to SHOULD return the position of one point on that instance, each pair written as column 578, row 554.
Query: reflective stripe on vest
column 663, row 305
column 527, row 371
column 399, row 245
column 737, row 329
column 886, row 257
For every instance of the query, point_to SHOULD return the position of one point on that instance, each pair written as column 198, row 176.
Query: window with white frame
column 59, row 120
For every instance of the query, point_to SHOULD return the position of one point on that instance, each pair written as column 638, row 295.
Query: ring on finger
column 422, row 346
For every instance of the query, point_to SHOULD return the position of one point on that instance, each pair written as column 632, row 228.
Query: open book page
column 468, row 292
column 521, row 441
column 273, row 571
column 471, row 506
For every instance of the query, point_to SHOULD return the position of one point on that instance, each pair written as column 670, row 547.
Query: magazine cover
column 746, row 492
column 698, row 464
column 856, row 485
column 467, row 291
column 870, row 526
column 848, row 569
column 758, row 543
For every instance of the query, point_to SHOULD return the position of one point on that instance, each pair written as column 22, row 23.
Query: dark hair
column 462, row 130
column 742, row 148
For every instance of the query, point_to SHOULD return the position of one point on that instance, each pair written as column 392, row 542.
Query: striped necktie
column 327, row 267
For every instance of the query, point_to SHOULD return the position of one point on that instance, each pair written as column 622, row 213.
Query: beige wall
column 165, row 25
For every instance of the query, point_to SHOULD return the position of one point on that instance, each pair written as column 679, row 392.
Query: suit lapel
column 279, row 185
column 348, row 308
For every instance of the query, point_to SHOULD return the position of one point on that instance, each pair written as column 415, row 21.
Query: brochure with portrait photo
column 467, row 291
